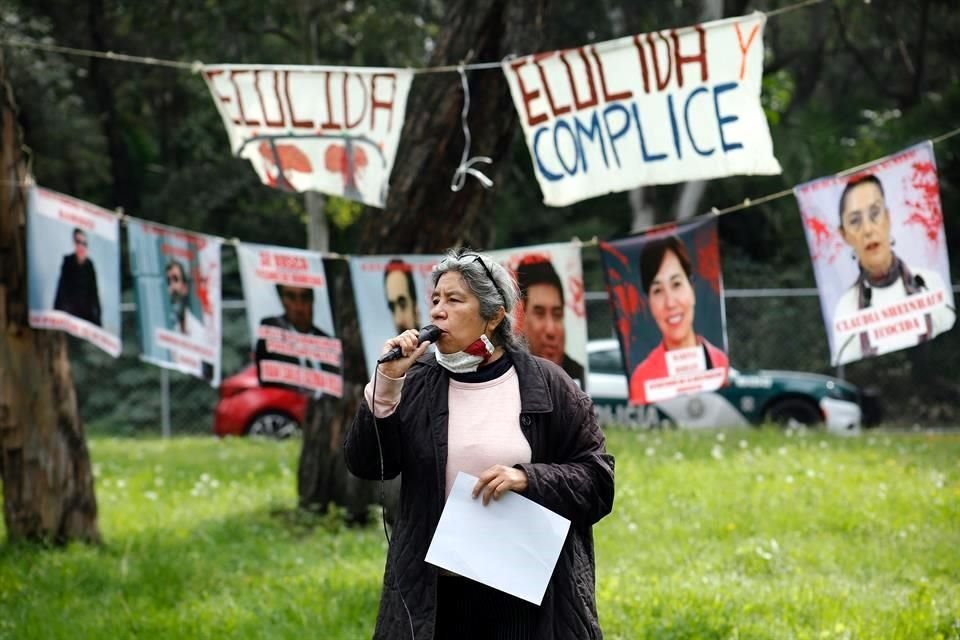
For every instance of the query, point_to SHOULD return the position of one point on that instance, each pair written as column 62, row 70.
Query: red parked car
column 246, row 408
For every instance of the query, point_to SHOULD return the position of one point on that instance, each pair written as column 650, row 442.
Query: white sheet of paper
column 512, row 544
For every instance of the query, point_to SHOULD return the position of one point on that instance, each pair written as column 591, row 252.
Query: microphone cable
column 383, row 505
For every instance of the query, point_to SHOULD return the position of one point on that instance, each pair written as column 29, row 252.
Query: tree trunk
column 422, row 214
column 44, row 463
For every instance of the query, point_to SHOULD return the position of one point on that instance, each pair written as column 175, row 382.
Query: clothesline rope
column 746, row 204
column 196, row 66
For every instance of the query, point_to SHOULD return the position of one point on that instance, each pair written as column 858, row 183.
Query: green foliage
column 750, row 534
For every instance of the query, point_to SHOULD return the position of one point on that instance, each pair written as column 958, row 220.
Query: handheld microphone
column 430, row 332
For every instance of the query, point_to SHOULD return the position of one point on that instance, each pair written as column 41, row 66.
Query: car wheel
column 794, row 412
column 273, row 424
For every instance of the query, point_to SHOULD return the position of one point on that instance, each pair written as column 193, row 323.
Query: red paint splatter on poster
column 708, row 257
column 925, row 210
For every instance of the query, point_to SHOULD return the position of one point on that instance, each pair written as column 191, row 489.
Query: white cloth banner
column 656, row 108
column 328, row 129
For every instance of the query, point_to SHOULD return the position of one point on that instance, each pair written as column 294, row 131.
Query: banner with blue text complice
column 73, row 266
column 290, row 319
column 176, row 277
column 657, row 108
column 328, row 129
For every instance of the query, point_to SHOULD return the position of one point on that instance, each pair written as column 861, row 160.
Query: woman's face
column 672, row 303
column 866, row 228
column 456, row 311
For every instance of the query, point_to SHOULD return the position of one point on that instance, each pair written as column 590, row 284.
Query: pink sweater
column 483, row 428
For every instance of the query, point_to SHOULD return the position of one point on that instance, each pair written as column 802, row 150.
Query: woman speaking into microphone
column 481, row 404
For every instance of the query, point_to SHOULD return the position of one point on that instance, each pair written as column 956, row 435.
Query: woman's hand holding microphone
column 401, row 352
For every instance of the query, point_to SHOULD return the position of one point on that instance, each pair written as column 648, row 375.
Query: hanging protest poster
column 176, row 276
column 288, row 309
column 73, row 266
column 656, row 108
column 392, row 294
column 666, row 291
column 552, row 314
column 328, row 129
column 879, row 255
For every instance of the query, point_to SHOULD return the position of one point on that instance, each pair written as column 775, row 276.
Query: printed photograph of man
column 181, row 319
column 298, row 317
column 883, row 277
column 542, row 306
column 401, row 294
column 77, row 292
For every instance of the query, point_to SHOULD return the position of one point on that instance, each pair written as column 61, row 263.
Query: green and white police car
column 784, row 397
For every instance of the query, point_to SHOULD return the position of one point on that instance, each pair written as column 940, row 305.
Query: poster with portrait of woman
column 288, row 311
column 392, row 294
column 879, row 255
column 176, row 279
column 666, row 291
column 73, row 274
column 552, row 314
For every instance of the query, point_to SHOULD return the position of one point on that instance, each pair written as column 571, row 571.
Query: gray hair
column 493, row 285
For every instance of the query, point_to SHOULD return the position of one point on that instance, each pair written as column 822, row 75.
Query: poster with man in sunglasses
column 392, row 294
column 73, row 255
column 288, row 311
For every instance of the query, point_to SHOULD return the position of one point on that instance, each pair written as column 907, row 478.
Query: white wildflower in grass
column 782, row 451
column 150, row 495
column 823, row 444
column 158, row 481
column 721, row 437
column 678, row 455
column 97, row 469
column 650, row 451
column 121, row 483
column 763, row 553
column 811, row 473
column 743, row 444
column 631, row 527
column 759, row 477
column 789, row 479
column 717, row 452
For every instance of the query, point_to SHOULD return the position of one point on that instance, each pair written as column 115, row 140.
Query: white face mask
column 469, row 359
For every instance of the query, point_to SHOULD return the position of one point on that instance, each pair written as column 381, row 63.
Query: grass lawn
column 734, row 534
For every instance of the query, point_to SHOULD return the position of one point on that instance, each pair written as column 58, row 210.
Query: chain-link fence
column 766, row 328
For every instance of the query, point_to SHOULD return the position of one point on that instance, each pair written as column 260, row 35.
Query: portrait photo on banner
column 73, row 268
column 392, row 294
column 176, row 277
column 552, row 314
column 666, row 290
column 290, row 320
column 879, row 255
